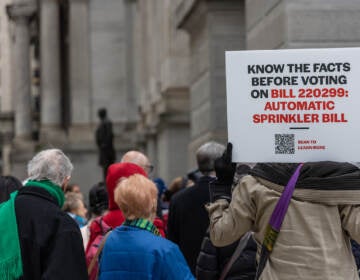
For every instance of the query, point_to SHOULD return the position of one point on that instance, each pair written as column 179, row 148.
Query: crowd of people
column 215, row 223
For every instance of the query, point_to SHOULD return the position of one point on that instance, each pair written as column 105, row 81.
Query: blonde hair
column 136, row 197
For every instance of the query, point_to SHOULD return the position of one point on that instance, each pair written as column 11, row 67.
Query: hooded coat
column 324, row 213
column 114, row 217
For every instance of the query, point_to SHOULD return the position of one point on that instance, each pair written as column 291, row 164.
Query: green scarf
column 143, row 224
column 10, row 252
column 53, row 189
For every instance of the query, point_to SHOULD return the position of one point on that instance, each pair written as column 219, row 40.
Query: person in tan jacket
column 323, row 215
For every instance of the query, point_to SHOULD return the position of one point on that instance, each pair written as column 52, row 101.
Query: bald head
column 138, row 158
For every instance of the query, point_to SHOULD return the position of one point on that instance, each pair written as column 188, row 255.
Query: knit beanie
column 115, row 172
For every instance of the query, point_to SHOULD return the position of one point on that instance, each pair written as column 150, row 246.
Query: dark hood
column 324, row 175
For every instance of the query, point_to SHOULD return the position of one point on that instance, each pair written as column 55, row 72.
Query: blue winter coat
column 137, row 254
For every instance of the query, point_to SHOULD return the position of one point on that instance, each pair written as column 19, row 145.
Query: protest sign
column 294, row 105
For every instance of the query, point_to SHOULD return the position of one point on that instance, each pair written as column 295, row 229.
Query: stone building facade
column 6, row 108
column 158, row 66
column 5, row 59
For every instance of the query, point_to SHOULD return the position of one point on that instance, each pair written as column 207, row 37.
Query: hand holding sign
column 225, row 170
column 224, row 167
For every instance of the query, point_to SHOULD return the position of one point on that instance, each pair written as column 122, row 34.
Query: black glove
column 225, row 170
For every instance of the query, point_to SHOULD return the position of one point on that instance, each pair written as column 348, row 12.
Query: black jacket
column 189, row 220
column 50, row 240
column 212, row 260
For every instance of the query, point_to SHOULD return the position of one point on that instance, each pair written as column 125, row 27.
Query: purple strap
column 281, row 207
column 276, row 220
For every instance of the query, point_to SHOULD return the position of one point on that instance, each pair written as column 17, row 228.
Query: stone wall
column 266, row 24
column 214, row 27
column 161, row 57
column 323, row 23
column 273, row 24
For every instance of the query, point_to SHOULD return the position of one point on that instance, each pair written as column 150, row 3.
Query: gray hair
column 72, row 202
column 51, row 164
column 207, row 154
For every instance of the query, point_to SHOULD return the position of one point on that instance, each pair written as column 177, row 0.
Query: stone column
column 6, row 137
column 131, row 98
column 173, row 143
column 6, row 155
column 151, row 150
column 50, row 71
column 80, row 85
column 21, row 14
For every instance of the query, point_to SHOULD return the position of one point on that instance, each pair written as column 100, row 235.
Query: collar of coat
column 325, row 182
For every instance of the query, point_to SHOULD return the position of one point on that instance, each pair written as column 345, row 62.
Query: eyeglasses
column 150, row 168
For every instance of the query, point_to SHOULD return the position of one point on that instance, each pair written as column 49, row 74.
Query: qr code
column 284, row 143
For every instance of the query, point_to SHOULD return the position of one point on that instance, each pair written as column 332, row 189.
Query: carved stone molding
column 6, row 127
column 183, row 10
column 21, row 11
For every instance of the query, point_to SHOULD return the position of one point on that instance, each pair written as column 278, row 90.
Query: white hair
column 207, row 154
column 51, row 164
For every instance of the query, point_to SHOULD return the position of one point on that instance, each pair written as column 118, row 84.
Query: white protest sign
column 294, row 105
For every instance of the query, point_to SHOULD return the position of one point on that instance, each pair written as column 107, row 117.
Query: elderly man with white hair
column 37, row 239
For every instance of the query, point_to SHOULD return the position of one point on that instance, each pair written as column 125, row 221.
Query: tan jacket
column 314, row 240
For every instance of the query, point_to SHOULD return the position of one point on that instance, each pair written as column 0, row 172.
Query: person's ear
column 65, row 183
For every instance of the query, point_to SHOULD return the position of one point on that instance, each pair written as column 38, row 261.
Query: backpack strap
column 98, row 252
column 104, row 226
column 276, row 220
column 239, row 249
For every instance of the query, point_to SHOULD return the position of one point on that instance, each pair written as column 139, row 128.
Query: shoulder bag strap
column 240, row 247
column 276, row 220
column 98, row 252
